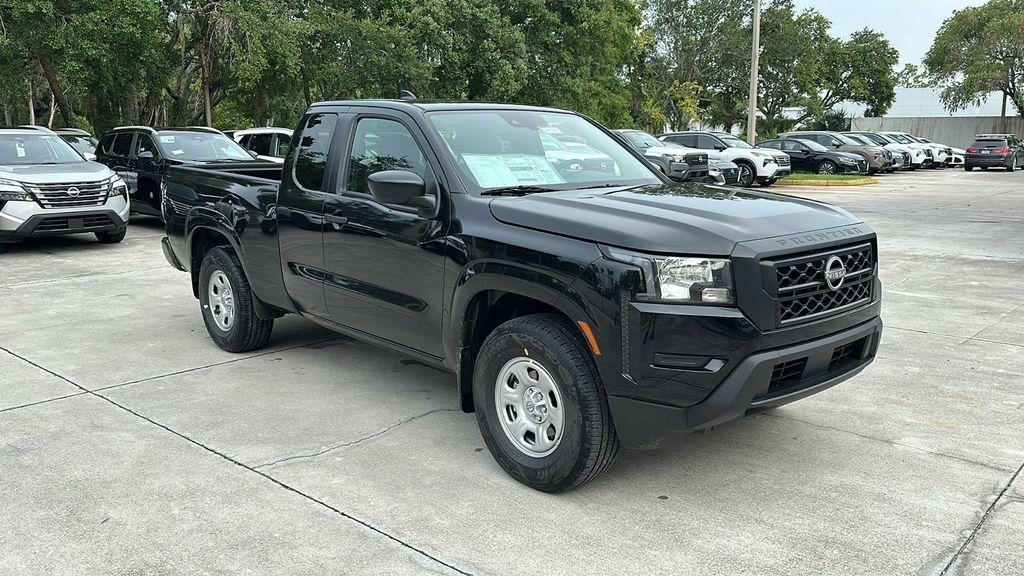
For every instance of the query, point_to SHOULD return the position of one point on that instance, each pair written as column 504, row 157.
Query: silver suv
column 48, row 188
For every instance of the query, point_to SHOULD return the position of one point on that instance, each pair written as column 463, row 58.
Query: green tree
column 980, row 50
column 912, row 76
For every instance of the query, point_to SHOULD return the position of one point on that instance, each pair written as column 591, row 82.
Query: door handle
column 335, row 219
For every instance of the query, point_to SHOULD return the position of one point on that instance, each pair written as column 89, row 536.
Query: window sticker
column 177, row 152
column 20, row 147
column 167, row 139
column 501, row 170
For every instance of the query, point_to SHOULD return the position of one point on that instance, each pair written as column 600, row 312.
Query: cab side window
column 314, row 145
column 122, row 145
column 379, row 145
column 772, row 144
column 792, row 146
column 705, row 142
column 688, row 140
column 105, row 143
column 260, row 144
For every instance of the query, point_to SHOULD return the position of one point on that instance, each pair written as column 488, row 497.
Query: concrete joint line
column 240, row 464
column 988, row 512
column 351, row 442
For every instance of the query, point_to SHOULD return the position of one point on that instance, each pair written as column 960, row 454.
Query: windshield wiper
column 516, row 190
column 606, row 186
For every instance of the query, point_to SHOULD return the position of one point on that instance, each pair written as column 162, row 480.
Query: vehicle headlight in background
column 118, row 187
column 768, row 161
column 681, row 279
column 11, row 191
column 675, row 158
column 847, row 161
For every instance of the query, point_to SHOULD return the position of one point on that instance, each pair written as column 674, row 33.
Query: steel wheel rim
column 221, row 301
column 529, row 407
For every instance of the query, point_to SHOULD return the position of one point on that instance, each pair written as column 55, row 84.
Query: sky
column 910, row 25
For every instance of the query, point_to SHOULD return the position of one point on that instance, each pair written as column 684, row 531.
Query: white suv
column 764, row 165
column 268, row 143
column 47, row 188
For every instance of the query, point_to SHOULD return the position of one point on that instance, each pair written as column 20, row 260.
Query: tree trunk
column 58, row 93
column 7, row 115
column 31, row 102
column 53, row 109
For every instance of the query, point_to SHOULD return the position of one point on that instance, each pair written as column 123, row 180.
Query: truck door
column 385, row 263
column 300, row 218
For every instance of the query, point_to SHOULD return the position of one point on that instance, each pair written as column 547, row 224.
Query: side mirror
column 720, row 148
column 147, row 155
column 253, row 154
column 90, row 156
column 399, row 187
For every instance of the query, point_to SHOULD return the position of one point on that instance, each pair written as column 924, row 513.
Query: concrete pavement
column 129, row 443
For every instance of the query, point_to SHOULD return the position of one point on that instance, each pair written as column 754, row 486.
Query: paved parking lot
column 130, row 444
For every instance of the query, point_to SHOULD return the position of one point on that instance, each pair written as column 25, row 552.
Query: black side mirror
column 399, row 187
column 720, row 148
column 147, row 155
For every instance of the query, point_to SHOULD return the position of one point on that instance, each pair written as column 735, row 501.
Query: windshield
column 899, row 138
column 515, row 148
column 814, row 145
column 201, row 146
column 642, row 139
column 84, row 144
column 36, row 149
column 860, row 139
column 912, row 138
column 733, row 142
column 880, row 139
column 846, row 140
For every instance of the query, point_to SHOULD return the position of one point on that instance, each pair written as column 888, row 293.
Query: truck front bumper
column 733, row 370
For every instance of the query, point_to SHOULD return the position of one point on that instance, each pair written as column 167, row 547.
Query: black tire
column 247, row 331
column 827, row 167
column 1013, row 165
column 588, row 443
column 769, row 182
column 746, row 180
column 968, row 168
column 112, row 236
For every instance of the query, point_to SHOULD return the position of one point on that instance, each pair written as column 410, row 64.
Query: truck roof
column 434, row 105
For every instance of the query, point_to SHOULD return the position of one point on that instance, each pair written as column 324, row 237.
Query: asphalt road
column 130, row 444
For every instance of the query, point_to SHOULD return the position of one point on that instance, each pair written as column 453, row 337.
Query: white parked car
column 940, row 154
column 957, row 157
column 268, row 143
column 763, row 165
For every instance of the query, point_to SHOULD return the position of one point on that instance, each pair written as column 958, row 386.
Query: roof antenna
column 406, row 95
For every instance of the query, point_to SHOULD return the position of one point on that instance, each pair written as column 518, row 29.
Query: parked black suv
column 141, row 155
column 809, row 156
column 579, row 309
column 995, row 150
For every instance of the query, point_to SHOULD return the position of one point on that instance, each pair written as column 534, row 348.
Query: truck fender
column 529, row 282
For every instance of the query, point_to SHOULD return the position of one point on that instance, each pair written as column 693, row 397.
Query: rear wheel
column 112, row 236
column 827, row 167
column 226, row 302
column 968, row 168
column 1013, row 164
column 541, row 406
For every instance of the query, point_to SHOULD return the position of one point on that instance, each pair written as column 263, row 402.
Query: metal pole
column 754, row 52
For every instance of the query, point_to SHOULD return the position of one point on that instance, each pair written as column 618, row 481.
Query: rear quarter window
column 314, row 145
column 122, row 145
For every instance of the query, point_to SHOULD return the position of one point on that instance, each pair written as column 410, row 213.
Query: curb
column 857, row 182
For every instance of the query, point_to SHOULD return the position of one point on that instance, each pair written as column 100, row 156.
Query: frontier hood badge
column 835, row 272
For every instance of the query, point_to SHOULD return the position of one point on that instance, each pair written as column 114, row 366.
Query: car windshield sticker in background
column 499, row 170
column 167, row 139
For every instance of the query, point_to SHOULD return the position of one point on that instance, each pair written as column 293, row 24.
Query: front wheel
column 747, row 174
column 827, row 167
column 541, row 406
column 968, row 168
column 226, row 302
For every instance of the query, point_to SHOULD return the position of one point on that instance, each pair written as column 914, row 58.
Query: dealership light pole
column 754, row 52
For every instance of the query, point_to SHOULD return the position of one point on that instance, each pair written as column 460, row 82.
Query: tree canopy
column 980, row 50
column 238, row 63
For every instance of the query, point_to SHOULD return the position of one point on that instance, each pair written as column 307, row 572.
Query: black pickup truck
column 580, row 308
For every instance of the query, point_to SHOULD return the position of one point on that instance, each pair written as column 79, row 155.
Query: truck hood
column 679, row 218
column 55, row 173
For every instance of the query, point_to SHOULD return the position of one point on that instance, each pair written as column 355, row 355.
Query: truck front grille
column 696, row 159
column 731, row 175
column 803, row 293
column 74, row 195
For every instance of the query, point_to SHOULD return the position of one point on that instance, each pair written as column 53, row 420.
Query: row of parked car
column 131, row 163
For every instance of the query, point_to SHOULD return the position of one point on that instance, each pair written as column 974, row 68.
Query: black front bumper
column 762, row 380
column 66, row 223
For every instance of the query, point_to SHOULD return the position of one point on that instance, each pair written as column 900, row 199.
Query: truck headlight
column 118, row 187
column 682, row 279
column 11, row 191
